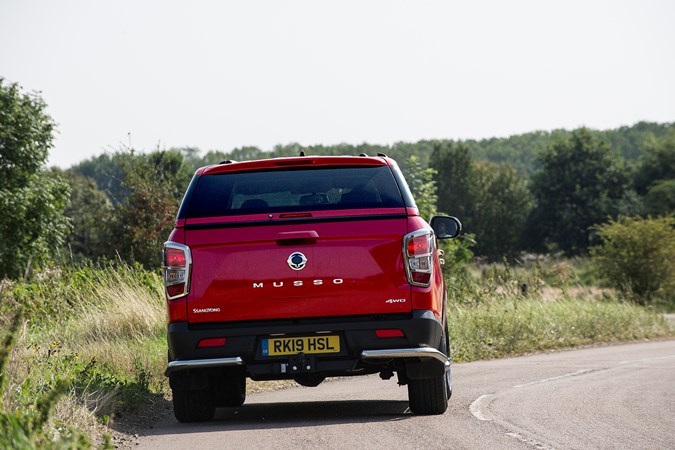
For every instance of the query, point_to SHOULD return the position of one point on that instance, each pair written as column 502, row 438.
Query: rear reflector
column 213, row 342
column 420, row 278
column 389, row 333
column 175, row 290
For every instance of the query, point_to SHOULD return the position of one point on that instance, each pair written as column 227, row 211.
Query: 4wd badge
column 297, row 261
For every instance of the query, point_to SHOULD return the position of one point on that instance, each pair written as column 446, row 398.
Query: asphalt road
column 597, row 398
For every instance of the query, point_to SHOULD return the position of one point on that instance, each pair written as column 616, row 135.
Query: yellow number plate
column 295, row 345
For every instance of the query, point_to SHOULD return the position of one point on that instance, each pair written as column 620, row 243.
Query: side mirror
column 446, row 227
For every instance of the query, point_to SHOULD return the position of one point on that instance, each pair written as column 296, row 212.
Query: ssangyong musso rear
column 304, row 268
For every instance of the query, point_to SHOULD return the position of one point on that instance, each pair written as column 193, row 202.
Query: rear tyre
column 445, row 349
column 428, row 396
column 431, row 395
column 193, row 406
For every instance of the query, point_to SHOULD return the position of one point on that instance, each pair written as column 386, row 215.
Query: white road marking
column 479, row 403
column 479, row 410
column 531, row 442
column 546, row 380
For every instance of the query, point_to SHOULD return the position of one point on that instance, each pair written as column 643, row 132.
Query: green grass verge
column 506, row 327
column 94, row 334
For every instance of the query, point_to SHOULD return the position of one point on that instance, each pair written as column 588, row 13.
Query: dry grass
column 110, row 344
column 123, row 311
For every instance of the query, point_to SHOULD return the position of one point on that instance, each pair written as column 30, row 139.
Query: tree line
column 542, row 192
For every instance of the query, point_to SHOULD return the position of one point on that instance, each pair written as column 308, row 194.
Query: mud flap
column 189, row 380
column 420, row 370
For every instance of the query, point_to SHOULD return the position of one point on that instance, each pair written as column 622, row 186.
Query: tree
column 89, row 210
column 32, row 225
column 581, row 183
column 422, row 186
column 502, row 202
column 660, row 199
column 655, row 177
column 238, row 154
column 453, row 167
column 25, row 136
column 638, row 257
column 107, row 171
column 156, row 182
column 491, row 200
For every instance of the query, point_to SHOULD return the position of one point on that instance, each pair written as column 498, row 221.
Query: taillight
column 418, row 249
column 177, row 265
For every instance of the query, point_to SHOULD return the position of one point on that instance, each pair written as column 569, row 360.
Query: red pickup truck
column 304, row 268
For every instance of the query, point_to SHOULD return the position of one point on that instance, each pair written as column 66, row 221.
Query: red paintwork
column 365, row 255
column 177, row 310
column 240, row 273
column 285, row 163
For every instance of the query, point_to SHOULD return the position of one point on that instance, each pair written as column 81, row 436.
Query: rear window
column 294, row 190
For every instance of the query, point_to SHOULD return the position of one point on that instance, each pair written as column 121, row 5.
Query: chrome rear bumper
column 203, row 363
column 423, row 352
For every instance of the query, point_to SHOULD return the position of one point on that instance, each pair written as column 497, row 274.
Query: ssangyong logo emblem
column 297, row 261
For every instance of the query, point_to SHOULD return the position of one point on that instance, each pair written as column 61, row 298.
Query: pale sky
column 224, row 74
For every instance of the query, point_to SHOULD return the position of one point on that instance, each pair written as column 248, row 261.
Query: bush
column 637, row 256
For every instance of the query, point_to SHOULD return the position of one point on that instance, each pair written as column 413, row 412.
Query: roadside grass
column 92, row 343
column 498, row 310
column 95, row 334
column 506, row 327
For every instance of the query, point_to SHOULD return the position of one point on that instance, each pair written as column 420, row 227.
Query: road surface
column 604, row 397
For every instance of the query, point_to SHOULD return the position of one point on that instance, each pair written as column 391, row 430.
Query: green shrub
column 637, row 256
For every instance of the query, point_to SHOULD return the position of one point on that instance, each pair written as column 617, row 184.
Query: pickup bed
column 304, row 268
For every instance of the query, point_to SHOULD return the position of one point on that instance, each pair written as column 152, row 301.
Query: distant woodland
column 544, row 192
column 537, row 192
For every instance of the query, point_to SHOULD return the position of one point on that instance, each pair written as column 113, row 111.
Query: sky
column 221, row 74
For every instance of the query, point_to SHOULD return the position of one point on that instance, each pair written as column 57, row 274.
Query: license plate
column 295, row 345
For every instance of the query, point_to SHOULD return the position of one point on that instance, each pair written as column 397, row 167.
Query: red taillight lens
column 177, row 262
column 174, row 257
column 419, row 253
column 418, row 245
column 389, row 333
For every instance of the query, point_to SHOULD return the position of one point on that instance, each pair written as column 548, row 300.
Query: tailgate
column 341, row 268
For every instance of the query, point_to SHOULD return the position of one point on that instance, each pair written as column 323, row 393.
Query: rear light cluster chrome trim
column 176, row 275
column 423, row 262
